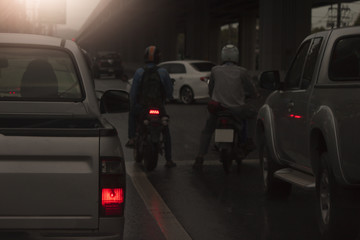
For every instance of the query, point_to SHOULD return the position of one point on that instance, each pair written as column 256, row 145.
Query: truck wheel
column 226, row 159
column 151, row 154
column 273, row 187
column 337, row 213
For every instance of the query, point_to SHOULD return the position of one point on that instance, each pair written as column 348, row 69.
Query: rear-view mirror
column 114, row 101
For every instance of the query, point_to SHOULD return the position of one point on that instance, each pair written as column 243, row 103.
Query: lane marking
column 167, row 222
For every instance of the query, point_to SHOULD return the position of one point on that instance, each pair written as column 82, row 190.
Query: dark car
column 108, row 63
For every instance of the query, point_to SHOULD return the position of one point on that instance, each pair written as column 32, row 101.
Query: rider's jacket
column 229, row 84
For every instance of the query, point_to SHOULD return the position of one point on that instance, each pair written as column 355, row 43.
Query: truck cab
column 307, row 128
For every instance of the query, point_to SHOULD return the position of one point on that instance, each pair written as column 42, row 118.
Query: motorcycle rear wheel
column 151, row 154
column 139, row 149
column 138, row 152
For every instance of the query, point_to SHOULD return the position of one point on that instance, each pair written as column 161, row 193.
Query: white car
column 191, row 78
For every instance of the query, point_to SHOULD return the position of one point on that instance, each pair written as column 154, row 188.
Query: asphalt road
column 209, row 204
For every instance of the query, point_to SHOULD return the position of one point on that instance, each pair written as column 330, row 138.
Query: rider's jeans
column 206, row 134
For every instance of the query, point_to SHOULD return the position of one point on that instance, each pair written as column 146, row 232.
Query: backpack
column 152, row 92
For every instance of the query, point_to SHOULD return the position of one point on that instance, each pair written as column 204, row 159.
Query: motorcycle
column 230, row 139
column 149, row 141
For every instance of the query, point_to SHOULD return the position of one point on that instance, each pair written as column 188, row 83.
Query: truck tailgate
column 49, row 179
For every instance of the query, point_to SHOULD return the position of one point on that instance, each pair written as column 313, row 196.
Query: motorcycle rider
column 151, row 58
column 229, row 84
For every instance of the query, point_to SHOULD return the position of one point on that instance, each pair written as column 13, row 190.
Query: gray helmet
column 229, row 53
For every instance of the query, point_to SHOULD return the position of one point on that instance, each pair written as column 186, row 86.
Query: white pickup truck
column 309, row 129
column 62, row 171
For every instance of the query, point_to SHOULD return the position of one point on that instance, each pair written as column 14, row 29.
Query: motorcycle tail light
column 154, row 112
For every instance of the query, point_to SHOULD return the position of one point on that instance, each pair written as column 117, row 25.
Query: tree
column 13, row 17
column 317, row 29
column 229, row 34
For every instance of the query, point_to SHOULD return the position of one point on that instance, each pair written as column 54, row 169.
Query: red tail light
column 154, row 112
column 111, row 196
column 112, row 187
column 112, row 200
column 205, row 79
column 295, row 116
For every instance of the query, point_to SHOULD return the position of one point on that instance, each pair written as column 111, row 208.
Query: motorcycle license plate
column 224, row 135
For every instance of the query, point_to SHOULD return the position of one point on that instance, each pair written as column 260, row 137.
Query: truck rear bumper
column 109, row 229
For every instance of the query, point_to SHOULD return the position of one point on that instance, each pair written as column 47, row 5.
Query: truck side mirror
column 114, row 101
column 270, row 80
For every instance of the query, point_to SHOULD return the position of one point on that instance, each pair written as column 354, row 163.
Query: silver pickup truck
column 308, row 130
column 62, row 171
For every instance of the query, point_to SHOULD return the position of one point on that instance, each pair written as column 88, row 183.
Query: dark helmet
column 152, row 55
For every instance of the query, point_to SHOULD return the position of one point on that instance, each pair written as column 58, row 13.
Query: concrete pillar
column 214, row 43
column 167, row 37
column 283, row 25
column 197, row 31
column 247, row 40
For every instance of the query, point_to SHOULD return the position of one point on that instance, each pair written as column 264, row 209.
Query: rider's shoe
column 170, row 164
column 198, row 163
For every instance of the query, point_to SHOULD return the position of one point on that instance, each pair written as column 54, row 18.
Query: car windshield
column 38, row 74
column 203, row 66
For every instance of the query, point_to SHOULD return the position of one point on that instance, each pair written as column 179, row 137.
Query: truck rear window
column 345, row 60
column 37, row 74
